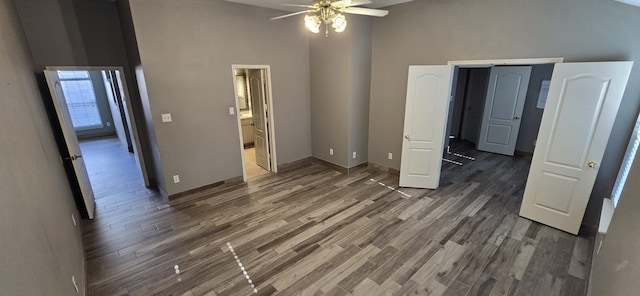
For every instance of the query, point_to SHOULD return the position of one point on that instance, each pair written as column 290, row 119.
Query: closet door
column 503, row 109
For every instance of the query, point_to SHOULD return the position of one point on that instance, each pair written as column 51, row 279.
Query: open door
column 71, row 140
column 425, row 120
column 260, row 117
column 580, row 111
column 503, row 109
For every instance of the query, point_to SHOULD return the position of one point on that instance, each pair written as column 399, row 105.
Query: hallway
column 113, row 171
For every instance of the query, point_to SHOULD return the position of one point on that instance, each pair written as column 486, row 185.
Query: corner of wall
column 140, row 98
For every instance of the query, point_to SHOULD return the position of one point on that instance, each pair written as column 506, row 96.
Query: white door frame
column 504, row 62
column 129, row 110
column 270, row 120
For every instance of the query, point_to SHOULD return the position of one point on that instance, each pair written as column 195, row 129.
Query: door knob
column 517, row 117
column 406, row 137
column 591, row 164
column 74, row 157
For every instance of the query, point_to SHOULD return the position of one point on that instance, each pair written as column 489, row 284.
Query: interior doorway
column 580, row 107
column 99, row 141
column 254, row 108
column 495, row 109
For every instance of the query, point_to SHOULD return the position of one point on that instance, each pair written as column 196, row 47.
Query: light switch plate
column 232, row 110
column 166, row 117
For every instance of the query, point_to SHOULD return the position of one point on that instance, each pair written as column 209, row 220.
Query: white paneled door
column 428, row 91
column 580, row 111
column 506, row 93
column 260, row 112
column 71, row 140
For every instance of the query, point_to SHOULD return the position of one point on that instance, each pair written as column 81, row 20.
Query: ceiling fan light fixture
column 331, row 13
column 339, row 23
column 312, row 22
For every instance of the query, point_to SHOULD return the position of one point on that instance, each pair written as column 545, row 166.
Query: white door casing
column 71, row 141
column 116, row 114
column 579, row 114
column 260, row 117
column 131, row 124
column 503, row 107
column 426, row 110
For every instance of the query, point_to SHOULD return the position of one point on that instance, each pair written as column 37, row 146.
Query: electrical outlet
column 390, row 155
column 330, row 151
column 166, row 117
column 108, row 123
column 176, row 179
column 75, row 284
column 354, row 154
column 73, row 218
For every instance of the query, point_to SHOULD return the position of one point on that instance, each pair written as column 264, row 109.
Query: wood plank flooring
column 315, row 231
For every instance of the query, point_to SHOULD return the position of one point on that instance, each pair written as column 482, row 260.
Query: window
column 634, row 142
column 81, row 99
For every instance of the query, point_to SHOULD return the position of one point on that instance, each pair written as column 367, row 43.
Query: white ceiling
column 277, row 4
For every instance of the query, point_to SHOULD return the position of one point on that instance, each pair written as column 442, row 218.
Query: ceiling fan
column 329, row 12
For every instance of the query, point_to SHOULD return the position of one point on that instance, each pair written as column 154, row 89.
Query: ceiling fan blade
column 291, row 14
column 366, row 11
column 349, row 3
column 298, row 5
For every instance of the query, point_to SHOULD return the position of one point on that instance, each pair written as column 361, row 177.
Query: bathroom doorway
column 254, row 108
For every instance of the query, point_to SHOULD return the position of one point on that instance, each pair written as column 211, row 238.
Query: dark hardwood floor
column 316, row 231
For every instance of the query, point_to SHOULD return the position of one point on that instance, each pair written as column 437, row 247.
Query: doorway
column 496, row 108
column 99, row 141
column 254, row 108
column 583, row 99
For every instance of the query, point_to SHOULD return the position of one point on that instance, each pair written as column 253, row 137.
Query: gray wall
column 187, row 49
column 340, row 84
column 330, row 62
column 434, row 32
column 52, row 32
column 138, row 92
column 102, row 100
column 615, row 270
column 41, row 249
column 99, row 26
column 361, row 29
